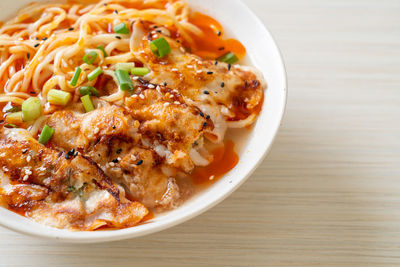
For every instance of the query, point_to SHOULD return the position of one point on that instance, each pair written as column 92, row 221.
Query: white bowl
column 263, row 53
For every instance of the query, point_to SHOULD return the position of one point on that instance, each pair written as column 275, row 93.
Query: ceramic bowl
column 241, row 23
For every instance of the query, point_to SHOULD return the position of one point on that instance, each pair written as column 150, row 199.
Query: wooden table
column 329, row 192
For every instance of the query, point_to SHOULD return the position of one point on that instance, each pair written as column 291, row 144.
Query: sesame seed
column 229, row 66
column 24, row 151
column 96, row 130
column 112, row 164
column 209, row 72
column 71, row 152
column 189, row 66
column 71, row 29
column 28, row 55
column 208, row 117
column 206, row 92
column 212, row 177
column 26, row 177
column 222, row 84
column 174, row 69
column 199, row 71
column 205, row 124
column 67, row 156
column 216, row 63
column 177, row 103
column 219, row 33
column 116, row 11
column 141, row 96
column 221, row 48
column 182, row 50
column 44, row 39
column 118, row 37
column 166, row 104
column 114, row 127
column 133, row 157
column 119, row 158
column 28, row 158
column 119, row 151
column 202, row 114
column 140, row 162
column 171, row 96
column 151, row 86
column 115, row 160
column 135, row 78
column 36, row 45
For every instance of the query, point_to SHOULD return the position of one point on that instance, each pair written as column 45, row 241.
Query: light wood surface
column 329, row 192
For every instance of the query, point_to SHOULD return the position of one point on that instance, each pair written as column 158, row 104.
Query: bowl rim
column 108, row 236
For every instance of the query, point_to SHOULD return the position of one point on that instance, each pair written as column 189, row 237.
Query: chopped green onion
column 101, row 47
column 15, row 117
column 13, row 109
column 140, row 71
column 87, row 103
column 31, row 109
column 90, row 57
column 58, row 97
column 46, row 135
column 75, row 78
column 10, row 125
column 121, row 29
column 94, row 74
column 125, row 66
column 89, row 90
column 229, row 58
column 160, row 47
column 124, row 81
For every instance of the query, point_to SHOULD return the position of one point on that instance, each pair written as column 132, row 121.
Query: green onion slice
column 31, row 109
column 89, row 90
column 46, row 135
column 140, row 71
column 124, row 80
column 121, row 29
column 90, row 57
column 87, row 103
column 101, row 47
column 94, row 74
column 13, row 109
column 229, row 58
column 10, row 125
column 75, row 78
column 160, row 47
column 58, row 97
column 15, row 117
column 125, row 66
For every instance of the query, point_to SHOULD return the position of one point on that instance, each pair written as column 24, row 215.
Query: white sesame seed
column 158, row 88
column 166, row 104
column 26, row 177
column 135, row 78
column 112, row 164
column 2, row 154
column 141, row 96
column 171, row 96
column 151, row 86
column 133, row 157
column 119, row 158
column 199, row 71
column 175, row 91
column 28, row 158
column 96, row 130
column 182, row 49
column 135, row 96
column 177, row 103
column 189, row 66
column 155, row 36
column 212, row 177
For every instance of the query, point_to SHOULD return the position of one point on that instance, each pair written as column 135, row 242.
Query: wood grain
column 329, row 192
